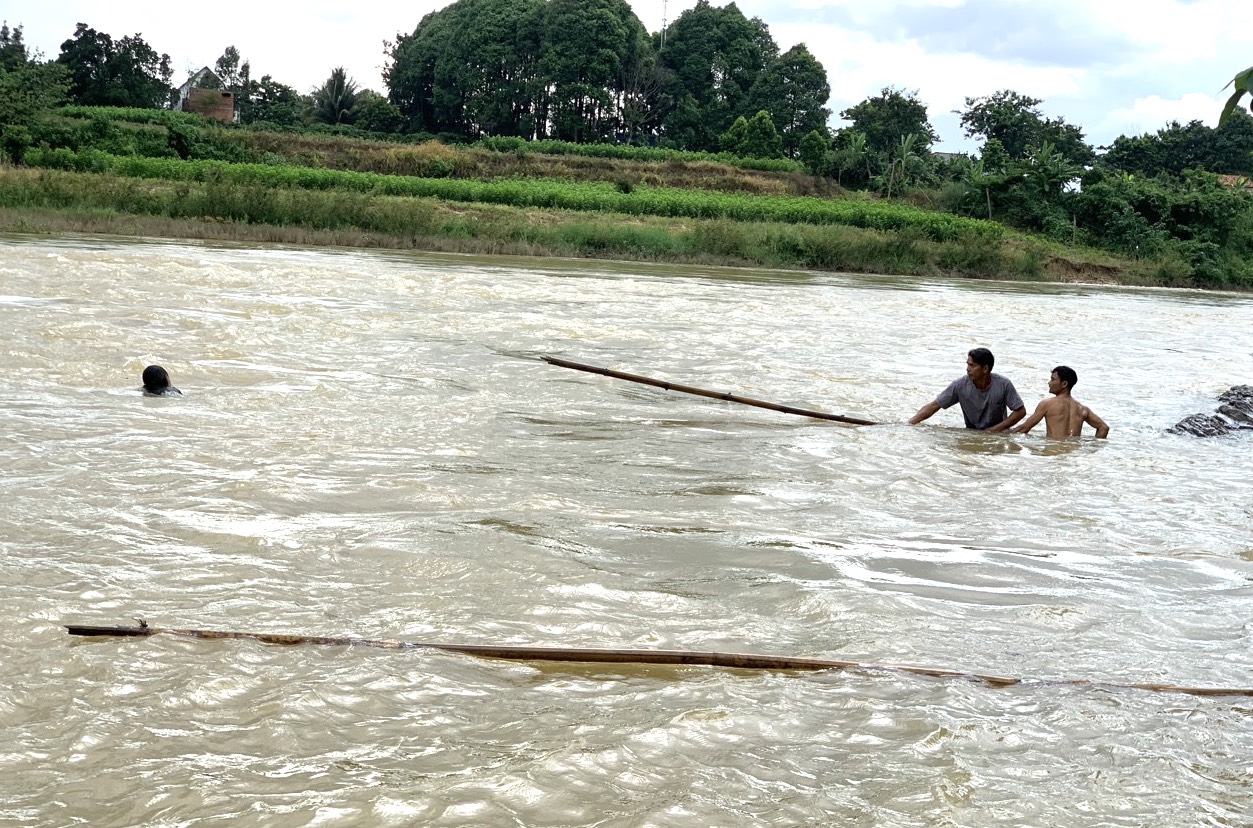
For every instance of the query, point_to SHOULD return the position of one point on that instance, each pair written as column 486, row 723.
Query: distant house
column 1241, row 181
column 203, row 93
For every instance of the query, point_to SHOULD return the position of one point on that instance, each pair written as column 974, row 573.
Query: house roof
column 198, row 77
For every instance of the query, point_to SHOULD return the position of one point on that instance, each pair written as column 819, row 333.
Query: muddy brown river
column 369, row 445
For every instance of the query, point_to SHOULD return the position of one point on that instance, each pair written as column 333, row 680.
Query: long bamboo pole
column 740, row 661
column 702, row 392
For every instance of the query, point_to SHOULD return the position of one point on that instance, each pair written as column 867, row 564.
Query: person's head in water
column 157, row 381
column 1067, row 375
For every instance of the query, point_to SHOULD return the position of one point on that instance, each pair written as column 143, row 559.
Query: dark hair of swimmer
column 157, row 381
column 982, row 356
column 1066, row 375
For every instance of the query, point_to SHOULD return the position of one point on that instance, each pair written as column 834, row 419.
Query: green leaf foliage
column 888, row 117
column 713, row 57
column 104, row 72
column 1242, row 84
column 1194, row 146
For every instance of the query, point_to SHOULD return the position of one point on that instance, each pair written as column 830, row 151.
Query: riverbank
column 51, row 202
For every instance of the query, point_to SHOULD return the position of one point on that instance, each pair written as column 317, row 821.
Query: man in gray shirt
column 985, row 397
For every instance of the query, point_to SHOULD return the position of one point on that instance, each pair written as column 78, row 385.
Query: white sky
column 1113, row 67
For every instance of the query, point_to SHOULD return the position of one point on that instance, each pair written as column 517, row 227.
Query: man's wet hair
column 156, row 378
column 1066, row 375
column 982, row 356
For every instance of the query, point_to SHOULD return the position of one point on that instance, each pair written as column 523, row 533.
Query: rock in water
column 1234, row 414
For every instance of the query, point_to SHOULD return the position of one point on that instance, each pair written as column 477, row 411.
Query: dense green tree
column 733, row 138
column 794, row 90
column 471, row 68
column 13, row 53
column 234, row 72
column 580, row 70
column 1006, row 116
column 271, row 102
column 712, row 57
column 587, row 51
column 754, row 137
column 814, row 152
column 107, row 73
column 377, row 114
column 335, row 101
column 486, row 71
column 888, row 117
column 1017, row 123
column 29, row 88
column 410, row 70
column 1227, row 149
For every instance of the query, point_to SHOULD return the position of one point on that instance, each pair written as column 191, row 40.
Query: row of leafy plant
column 173, row 118
column 218, row 209
column 626, row 152
column 598, row 197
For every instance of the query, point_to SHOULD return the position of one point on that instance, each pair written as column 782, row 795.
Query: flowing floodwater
column 368, row 445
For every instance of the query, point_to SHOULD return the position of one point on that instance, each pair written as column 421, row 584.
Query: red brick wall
column 212, row 103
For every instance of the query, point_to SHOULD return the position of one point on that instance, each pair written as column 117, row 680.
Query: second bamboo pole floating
column 702, row 392
column 740, row 661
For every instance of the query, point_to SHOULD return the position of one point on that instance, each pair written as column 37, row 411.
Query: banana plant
column 1243, row 84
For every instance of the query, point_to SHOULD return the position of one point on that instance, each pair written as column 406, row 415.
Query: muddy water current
column 369, row 445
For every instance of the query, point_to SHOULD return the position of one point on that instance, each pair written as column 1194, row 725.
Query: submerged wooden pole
column 701, row 392
column 740, row 661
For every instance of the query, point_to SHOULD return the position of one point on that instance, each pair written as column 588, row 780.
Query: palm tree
column 335, row 102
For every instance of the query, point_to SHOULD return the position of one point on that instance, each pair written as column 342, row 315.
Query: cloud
column 1012, row 32
column 1153, row 112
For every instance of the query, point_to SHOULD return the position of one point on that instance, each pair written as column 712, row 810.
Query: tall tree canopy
column 29, row 87
column 712, row 57
column 107, row 73
column 795, row 91
column 1227, row 149
column 13, row 54
column 887, row 118
column 1016, row 122
column 234, row 72
column 589, row 48
column 534, row 68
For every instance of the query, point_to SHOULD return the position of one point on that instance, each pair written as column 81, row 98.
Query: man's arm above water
column 1102, row 430
column 1014, row 416
column 925, row 412
column 1034, row 419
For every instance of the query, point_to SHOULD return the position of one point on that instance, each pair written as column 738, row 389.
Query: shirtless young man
column 1063, row 415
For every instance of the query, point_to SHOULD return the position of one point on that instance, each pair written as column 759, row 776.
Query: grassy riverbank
column 56, row 201
column 172, row 174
